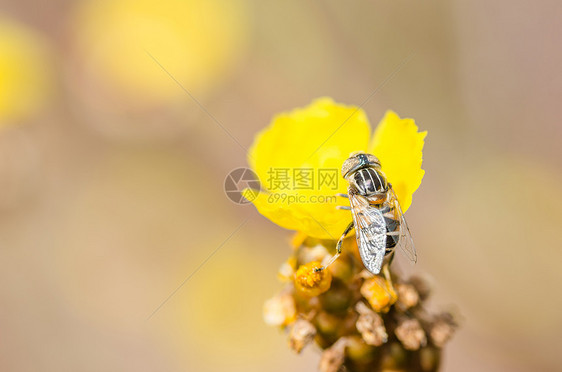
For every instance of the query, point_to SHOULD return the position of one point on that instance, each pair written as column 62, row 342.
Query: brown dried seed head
column 422, row 286
column 370, row 325
column 302, row 333
column 442, row 330
column 411, row 334
column 407, row 295
column 333, row 357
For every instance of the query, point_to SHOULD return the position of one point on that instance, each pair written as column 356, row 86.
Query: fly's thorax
column 370, row 182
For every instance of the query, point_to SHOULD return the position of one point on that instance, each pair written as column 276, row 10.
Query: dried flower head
column 407, row 295
column 280, row 310
column 302, row 333
column 334, row 356
column 370, row 325
column 442, row 329
column 380, row 293
column 411, row 334
column 287, row 270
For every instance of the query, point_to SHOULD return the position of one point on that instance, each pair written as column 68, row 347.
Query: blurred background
column 120, row 119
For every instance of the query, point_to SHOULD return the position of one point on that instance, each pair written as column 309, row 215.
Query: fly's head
column 359, row 160
column 363, row 172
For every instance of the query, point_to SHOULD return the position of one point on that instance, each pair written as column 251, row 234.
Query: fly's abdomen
column 392, row 226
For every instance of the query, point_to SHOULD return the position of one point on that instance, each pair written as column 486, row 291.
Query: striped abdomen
column 392, row 226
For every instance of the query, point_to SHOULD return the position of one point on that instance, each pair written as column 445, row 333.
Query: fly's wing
column 370, row 229
column 406, row 243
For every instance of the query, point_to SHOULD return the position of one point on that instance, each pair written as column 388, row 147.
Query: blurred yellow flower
column 197, row 41
column 315, row 141
column 25, row 72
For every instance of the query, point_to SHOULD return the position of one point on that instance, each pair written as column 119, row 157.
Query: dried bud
column 442, row 330
column 358, row 351
column 370, row 325
column 327, row 323
column 407, row 296
column 411, row 334
column 422, row 287
column 394, row 358
column 287, row 269
column 338, row 299
column 380, row 293
column 302, row 333
column 333, row 357
column 310, row 254
column 280, row 310
column 310, row 282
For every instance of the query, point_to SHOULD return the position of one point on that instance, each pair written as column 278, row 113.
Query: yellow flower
column 317, row 139
column 25, row 72
column 199, row 42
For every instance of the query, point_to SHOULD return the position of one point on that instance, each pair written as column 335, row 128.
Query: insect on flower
column 377, row 217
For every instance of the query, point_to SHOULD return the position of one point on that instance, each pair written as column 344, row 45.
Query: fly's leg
column 338, row 248
column 342, row 207
column 390, row 256
column 386, row 273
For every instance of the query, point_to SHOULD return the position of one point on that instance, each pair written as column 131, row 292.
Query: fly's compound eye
column 359, row 160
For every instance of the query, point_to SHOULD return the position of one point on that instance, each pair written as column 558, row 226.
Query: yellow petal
column 398, row 145
column 323, row 134
column 317, row 138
